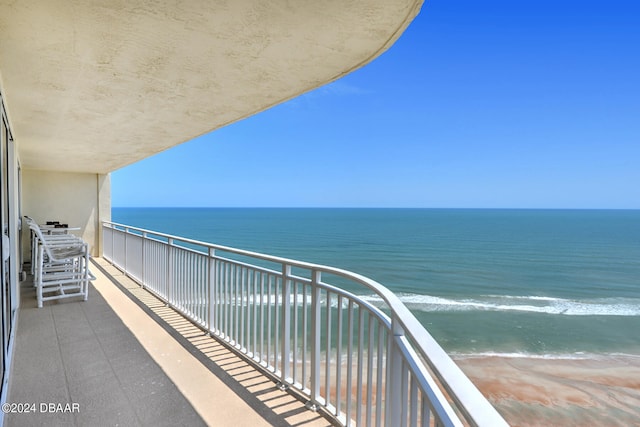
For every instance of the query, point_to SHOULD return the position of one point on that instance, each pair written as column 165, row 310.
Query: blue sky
column 480, row 104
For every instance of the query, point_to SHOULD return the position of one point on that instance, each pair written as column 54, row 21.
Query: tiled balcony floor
column 127, row 360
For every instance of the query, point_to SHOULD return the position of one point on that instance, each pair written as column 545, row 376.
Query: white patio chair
column 60, row 236
column 61, row 266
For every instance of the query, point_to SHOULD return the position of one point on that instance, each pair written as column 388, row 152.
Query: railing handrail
column 468, row 399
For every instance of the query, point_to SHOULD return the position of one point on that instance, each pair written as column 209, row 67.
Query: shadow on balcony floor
column 126, row 359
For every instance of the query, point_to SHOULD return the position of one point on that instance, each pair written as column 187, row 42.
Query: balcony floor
column 126, row 359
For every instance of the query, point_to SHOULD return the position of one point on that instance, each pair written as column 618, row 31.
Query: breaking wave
column 529, row 304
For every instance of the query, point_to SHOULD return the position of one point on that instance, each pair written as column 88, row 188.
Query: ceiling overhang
column 92, row 86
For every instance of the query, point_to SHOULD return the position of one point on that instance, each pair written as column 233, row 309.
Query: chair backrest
column 80, row 246
column 36, row 229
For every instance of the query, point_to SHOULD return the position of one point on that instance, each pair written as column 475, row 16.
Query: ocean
column 492, row 282
column 540, row 308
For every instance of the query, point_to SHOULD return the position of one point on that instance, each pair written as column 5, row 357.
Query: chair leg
column 85, row 276
column 38, row 270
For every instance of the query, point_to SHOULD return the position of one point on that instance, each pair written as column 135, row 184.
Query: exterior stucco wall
column 78, row 199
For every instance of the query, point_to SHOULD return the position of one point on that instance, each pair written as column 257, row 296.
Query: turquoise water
column 552, row 283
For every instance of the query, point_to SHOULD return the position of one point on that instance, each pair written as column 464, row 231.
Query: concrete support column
column 104, row 207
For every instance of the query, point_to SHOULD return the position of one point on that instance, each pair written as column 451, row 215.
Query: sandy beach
column 595, row 391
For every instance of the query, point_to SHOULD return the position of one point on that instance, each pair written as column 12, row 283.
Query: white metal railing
column 361, row 364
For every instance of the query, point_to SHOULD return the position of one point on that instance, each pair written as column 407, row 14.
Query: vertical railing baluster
column 404, row 384
column 147, row 269
column 188, row 272
column 393, row 410
column 425, row 412
column 360, row 366
column 286, row 325
column 413, row 402
column 242, row 335
column 211, row 286
column 247, row 334
column 248, row 321
column 369, row 410
column 219, row 297
column 182, row 278
column 178, row 273
column 315, row 338
column 179, row 277
column 227, row 301
column 262, row 322
column 205, row 300
column 238, row 305
column 269, row 322
column 222, row 273
column 294, row 329
column 349, row 393
column 195, row 276
column 143, row 277
column 338, row 384
column 175, row 279
column 276, row 324
column 232, row 287
column 190, row 266
column 228, row 327
column 188, row 281
column 159, row 259
column 305, row 334
column 215, row 301
column 112, row 243
column 327, row 366
column 234, row 304
column 169, row 270
column 203, row 291
column 126, row 231
column 239, row 312
column 379, row 385
column 254, row 334
column 159, row 279
column 195, row 287
column 233, row 321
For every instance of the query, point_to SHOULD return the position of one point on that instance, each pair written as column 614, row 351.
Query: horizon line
column 372, row 207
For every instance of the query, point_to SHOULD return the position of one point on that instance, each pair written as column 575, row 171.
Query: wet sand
column 597, row 391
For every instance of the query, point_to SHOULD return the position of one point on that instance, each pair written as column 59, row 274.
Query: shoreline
column 562, row 391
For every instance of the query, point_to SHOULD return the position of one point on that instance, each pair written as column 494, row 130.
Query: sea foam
column 530, row 304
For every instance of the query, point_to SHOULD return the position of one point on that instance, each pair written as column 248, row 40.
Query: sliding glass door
column 5, row 282
column 9, row 234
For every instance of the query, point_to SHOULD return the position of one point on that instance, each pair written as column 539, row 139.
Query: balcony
column 124, row 358
column 304, row 326
column 182, row 332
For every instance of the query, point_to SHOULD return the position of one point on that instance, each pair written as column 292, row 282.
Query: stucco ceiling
column 94, row 85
